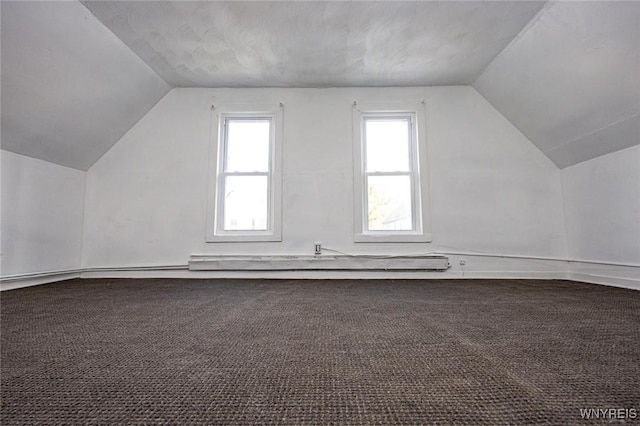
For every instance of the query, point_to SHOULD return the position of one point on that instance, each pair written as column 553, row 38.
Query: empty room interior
column 310, row 212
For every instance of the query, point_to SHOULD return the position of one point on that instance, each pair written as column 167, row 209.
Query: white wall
column 42, row 212
column 602, row 202
column 491, row 190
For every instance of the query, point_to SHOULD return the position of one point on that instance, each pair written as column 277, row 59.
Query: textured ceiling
column 315, row 44
column 76, row 78
column 70, row 87
column 571, row 81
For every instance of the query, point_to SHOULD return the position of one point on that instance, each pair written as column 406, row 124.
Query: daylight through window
column 245, row 193
column 388, row 173
column 244, row 182
column 389, row 197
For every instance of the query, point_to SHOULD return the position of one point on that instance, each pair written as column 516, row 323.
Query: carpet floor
column 171, row 351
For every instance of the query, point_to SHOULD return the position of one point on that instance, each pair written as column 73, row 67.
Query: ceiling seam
column 572, row 141
column 164, row 95
column 545, row 155
column 41, row 159
column 84, row 3
column 542, row 12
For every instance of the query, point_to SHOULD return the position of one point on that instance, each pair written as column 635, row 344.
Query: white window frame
column 215, row 207
column 416, row 112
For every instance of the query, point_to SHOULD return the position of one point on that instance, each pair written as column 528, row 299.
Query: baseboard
column 605, row 280
column 327, row 274
column 606, row 274
column 473, row 267
column 462, row 266
column 508, row 275
column 28, row 280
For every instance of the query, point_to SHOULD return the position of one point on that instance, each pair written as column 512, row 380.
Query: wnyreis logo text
column 608, row 413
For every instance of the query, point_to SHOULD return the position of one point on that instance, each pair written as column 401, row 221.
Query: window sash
column 223, row 174
column 412, row 173
column 246, row 119
column 222, row 183
column 407, row 119
column 412, row 189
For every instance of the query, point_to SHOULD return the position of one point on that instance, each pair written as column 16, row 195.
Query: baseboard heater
column 318, row 263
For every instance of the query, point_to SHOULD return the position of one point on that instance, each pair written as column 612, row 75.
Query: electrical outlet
column 318, row 248
column 463, row 262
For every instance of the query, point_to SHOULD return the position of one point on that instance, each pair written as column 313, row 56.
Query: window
column 390, row 191
column 247, row 179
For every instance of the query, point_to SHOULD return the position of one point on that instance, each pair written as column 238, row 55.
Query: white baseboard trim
column 509, row 275
column 327, row 274
column 605, row 280
column 476, row 267
column 12, row 282
column 15, row 281
column 616, row 275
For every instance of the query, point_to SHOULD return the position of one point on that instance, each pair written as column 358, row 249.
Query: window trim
column 215, row 225
column 419, row 173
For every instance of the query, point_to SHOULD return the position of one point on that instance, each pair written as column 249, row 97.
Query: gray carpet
column 175, row 351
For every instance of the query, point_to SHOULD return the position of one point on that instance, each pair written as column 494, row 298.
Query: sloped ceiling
column 315, row 44
column 70, row 87
column 76, row 77
column 571, row 81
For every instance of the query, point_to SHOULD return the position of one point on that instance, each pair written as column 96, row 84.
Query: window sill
column 392, row 238
column 243, row 238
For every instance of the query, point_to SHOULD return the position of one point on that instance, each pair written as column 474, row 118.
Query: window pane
column 245, row 203
column 389, row 199
column 387, row 144
column 248, row 145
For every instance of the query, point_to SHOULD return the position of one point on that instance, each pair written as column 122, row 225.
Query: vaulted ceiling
column 70, row 87
column 571, row 80
column 77, row 76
